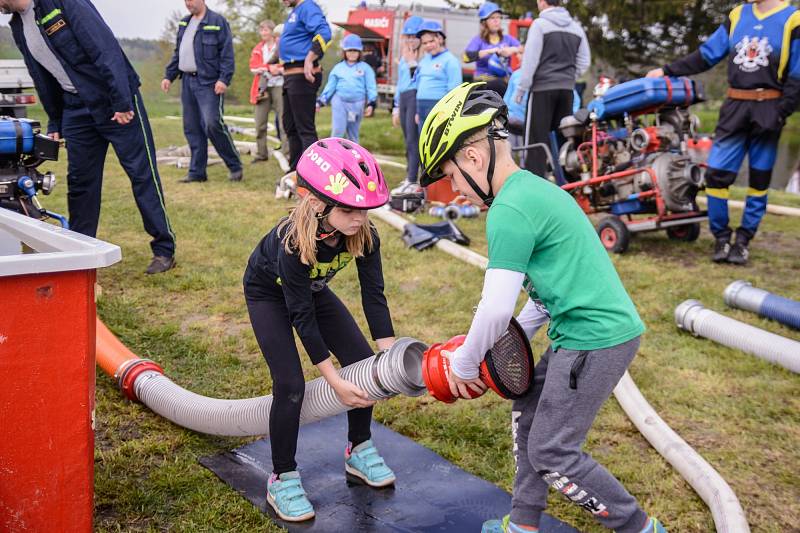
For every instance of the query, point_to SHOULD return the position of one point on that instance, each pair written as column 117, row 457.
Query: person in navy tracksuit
column 761, row 42
column 203, row 59
column 91, row 95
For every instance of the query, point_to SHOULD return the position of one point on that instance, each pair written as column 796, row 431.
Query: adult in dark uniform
column 203, row 59
column 305, row 38
column 91, row 95
column 761, row 41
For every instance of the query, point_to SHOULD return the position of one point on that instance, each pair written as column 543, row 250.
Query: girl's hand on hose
column 352, row 396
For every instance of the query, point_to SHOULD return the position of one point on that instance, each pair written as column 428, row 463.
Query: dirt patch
column 777, row 242
column 215, row 325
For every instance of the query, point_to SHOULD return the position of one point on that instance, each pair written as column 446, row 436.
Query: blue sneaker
column 504, row 525
column 365, row 463
column 286, row 496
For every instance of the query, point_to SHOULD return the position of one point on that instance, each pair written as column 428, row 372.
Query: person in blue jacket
column 91, row 95
column 305, row 39
column 516, row 115
column 350, row 85
column 761, row 42
column 438, row 72
column 491, row 50
column 203, row 59
column 404, row 109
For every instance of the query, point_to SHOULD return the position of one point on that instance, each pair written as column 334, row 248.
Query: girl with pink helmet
column 286, row 286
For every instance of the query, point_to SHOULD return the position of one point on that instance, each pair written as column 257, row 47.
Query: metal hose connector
column 398, row 370
column 742, row 295
column 693, row 317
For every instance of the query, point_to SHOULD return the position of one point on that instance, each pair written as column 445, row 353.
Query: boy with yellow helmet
column 539, row 239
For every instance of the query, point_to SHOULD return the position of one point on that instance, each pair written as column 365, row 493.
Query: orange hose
column 111, row 353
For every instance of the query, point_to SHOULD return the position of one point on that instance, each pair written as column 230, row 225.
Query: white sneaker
column 406, row 187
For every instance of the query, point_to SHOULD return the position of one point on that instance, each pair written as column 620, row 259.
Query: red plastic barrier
column 47, row 369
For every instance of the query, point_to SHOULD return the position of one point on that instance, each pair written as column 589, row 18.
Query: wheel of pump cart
column 614, row 234
column 685, row 233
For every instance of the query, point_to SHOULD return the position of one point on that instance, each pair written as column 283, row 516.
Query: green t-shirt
column 536, row 228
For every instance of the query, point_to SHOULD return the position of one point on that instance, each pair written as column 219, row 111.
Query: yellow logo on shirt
column 327, row 270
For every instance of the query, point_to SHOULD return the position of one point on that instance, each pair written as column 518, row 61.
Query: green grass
column 738, row 411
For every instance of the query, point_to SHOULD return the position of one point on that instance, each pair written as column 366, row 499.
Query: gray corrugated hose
column 387, row 374
column 692, row 316
column 720, row 498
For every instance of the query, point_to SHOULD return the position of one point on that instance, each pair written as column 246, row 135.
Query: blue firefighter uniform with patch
column 763, row 54
column 305, row 29
column 202, row 107
column 105, row 83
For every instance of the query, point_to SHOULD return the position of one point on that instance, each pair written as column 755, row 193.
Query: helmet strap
column 322, row 234
column 487, row 198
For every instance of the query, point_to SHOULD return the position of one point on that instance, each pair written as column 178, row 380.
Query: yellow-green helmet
column 464, row 110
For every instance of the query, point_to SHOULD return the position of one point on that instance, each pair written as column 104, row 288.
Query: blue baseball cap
column 352, row 42
column 488, row 9
column 431, row 26
column 411, row 25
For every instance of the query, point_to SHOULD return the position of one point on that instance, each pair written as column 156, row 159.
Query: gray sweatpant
column 550, row 425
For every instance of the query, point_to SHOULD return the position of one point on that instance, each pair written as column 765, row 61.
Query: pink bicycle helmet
column 342, row 174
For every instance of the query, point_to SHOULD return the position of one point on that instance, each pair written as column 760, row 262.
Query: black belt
column 192, row 74
column 296, row 64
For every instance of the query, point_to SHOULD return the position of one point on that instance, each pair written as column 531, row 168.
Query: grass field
column 739, row 412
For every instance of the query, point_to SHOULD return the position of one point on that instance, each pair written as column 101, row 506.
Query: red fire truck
column 380, row 26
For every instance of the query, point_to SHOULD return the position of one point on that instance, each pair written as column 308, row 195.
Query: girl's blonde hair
column 300, row 235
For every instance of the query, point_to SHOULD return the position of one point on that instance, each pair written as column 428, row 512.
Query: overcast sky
column 146, row 18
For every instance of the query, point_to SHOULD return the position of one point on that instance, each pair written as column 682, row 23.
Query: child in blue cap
column 351, row 85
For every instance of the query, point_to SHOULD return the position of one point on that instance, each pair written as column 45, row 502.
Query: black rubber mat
column 431, row 494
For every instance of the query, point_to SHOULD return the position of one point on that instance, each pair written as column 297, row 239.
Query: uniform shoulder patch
column 54, row 27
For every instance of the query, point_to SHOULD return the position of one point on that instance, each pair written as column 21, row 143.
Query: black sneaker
column 160, row 264
column 236, row 175
column 192, row 179
column 257, row 160
column 722, row 247
column 739, row 254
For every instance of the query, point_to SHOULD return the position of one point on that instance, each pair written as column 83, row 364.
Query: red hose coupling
column 436, row 369
column 126, row 377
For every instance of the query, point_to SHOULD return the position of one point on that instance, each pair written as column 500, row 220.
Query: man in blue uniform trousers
column 203, row 59
column 305, row 38
column 761, row 41
column 91, row 95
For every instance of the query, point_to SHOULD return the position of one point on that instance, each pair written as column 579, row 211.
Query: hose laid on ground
column 771, row 208
column 720, row 498
column 728, row 514
column 465, row 254
column 693, row 317
column 742, row 295
column 398, row 370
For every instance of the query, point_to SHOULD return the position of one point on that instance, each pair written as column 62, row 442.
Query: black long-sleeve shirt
column 272, row 272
